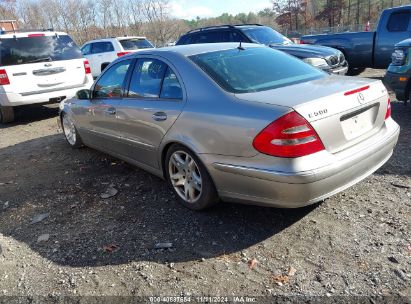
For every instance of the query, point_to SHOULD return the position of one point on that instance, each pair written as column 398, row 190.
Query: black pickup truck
column 369, row 49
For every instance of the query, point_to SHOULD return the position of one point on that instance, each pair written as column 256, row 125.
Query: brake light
column 35, row 35
column 388, row 114
column 122, row 54
column 289, row 136
column 87, row 68
column 302, row 42
column 356, row 91
column 4, row 79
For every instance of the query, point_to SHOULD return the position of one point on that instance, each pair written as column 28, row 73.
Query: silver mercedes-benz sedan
column 241, row 123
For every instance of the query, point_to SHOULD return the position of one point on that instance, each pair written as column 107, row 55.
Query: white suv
column 100, row 53
column 39, row 67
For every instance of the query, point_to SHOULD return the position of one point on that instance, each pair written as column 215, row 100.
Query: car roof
column 26, row 34
column 195, row 49
column 115, row 38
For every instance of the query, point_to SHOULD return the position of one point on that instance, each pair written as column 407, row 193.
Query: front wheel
column 189, row 179
column 354, row 71
column 70, row 132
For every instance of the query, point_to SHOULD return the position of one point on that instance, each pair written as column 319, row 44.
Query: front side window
column 265, row 35
column 147, row 77
column 111, row 82
column 23, row 50
column 254, row 69
column 399, row 22
column 86, row 50
column 232, row 36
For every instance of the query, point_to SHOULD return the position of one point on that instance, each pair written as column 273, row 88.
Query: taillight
column 4, row 79
column 388, row 114
column 289, row 136
column 122, row 54
column 36, row 35
column 87, row 68
column 302, row 42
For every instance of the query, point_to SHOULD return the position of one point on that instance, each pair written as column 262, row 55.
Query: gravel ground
column 59, row 237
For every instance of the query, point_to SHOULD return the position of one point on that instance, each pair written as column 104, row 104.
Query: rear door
column 102, row 52
column 41, row 63
column 154, row 102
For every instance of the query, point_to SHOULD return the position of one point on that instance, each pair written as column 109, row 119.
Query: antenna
column 240, row 47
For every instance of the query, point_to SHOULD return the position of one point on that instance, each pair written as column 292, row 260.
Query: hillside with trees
column 89, row 19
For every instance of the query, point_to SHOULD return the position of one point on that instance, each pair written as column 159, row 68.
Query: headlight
column 317, row 62
column 399, row 57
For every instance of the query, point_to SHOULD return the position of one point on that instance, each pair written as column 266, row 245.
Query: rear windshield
column 255, row 69
column 14, row 51
column 266, row 35
column 135, row 44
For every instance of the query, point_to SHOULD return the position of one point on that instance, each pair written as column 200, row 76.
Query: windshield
column 14, row 51
column 265, row 35
column 255, row 69
column 135, row 44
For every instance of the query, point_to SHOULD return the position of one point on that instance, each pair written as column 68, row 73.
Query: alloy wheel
column 185, row 176
column 69, row 130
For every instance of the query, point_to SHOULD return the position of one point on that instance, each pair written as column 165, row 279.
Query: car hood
column 306, row 50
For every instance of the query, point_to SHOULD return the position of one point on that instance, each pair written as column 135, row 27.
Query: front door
column 108, row 92
column 154, row 102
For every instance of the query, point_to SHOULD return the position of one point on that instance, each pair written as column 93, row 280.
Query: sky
column 190, row 9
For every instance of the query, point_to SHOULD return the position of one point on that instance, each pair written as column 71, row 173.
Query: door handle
column 159, row 116
column 111, row 111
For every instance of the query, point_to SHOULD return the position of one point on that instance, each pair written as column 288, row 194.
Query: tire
column 355, row 71
column 70, row 132
column 189, row 179
column 6, row 114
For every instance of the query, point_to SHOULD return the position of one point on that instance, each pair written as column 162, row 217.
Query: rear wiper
column 40, row 60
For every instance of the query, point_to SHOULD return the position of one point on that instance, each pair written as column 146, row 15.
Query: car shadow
column 31, row 113
column 399, row 163
column 45, row 177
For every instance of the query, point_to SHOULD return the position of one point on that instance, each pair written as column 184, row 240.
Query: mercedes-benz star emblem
column 361, row 98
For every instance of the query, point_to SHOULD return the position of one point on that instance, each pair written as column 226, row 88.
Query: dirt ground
column 59, row 237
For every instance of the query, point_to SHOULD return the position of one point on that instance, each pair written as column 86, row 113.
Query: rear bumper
column 290, row 189
column 16, row 99
column 392, row 80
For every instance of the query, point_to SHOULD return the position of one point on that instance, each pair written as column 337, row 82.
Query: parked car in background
column 39, row 67
column 398, row 76
column 328, row 59
column 369, row 49
column 245, row 124
column 101, row 52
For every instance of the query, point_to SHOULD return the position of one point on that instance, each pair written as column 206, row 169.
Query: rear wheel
column 70, row 132
column 189, row 179
column 6, row 114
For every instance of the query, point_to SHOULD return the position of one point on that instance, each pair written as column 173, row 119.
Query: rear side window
column 171, row 88
column 255, row 69
column 102, row 47
column 111, row 82
column 135, row 44
column 147, row 78
column 207, row 37
column 399, row 22
column 15, row 51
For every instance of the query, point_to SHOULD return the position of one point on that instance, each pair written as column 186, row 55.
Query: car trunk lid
column 342, row 110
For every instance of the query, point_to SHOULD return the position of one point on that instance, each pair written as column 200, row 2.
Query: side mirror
column 83, row 94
